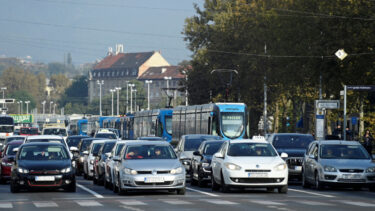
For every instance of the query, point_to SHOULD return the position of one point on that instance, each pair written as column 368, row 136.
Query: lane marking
column 97, row 195
column 6, row 205
column 358, row 203
column 266, row 202
column 175, row 202
column 89, row 203
column 220, row 202
column 131, row 208
column 314, row 203
column 202, row 192
column 41, row 204
column 312, row 193
column 131, row 202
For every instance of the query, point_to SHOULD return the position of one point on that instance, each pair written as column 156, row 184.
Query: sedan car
column 338, row 163
column 42, row 165
column 6, row 158
column 201, row 162
column 249, row 163
column 145, row 165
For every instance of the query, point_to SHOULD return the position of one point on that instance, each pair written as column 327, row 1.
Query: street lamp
column 148, row 82
column 131, row 97
column 186, row 88
column 19, row 107
column 100, row 83
column 54, row 108
column 50, row 107
column 167, row 79
column 3, row 89
column 118, row 100
column 127, row 97
column 112, row 91
column 135, row 99
column 44, row 103
column 27, row 106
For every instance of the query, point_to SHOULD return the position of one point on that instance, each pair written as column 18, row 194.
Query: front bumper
column 241, row 178
column 153, row 182
column 347, row 179
column 294, row 166
column 29, row 181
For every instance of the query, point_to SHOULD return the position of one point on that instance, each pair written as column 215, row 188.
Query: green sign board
column 22, row 118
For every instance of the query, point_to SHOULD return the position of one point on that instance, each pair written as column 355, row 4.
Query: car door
column 217, row 162
column 312, row 162
column 196, row 160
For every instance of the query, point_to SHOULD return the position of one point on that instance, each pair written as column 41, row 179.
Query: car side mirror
column 196, row 153
column 312, row 156
column 15, row 149
column 73, row 149
column 218, row 155
column 284, row 155
column 85, row 152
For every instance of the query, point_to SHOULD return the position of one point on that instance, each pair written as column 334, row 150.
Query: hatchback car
column 110, row 163
column 6, row 158
column 83, row 153
column 42, row 165
column 338, row 163
column 99, row 162
column 201, row 162
column 249, row 163
column 145, row 165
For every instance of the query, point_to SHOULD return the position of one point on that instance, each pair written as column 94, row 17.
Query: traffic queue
column 151, row 163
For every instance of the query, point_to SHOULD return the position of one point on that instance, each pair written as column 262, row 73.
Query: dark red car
column 29, row 131
column 6, row 166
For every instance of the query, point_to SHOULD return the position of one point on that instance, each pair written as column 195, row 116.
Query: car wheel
column 214, row 185
column 201, row 182
column 283, row 189
column 13, row 187
column 115, row 187
column 120, row 190
column 193, row 182
column 224, row 187
column 94, row 181
column 318, row 184
column 304, row 181
column 72, row 187
column 105, row 184
column 181, row 191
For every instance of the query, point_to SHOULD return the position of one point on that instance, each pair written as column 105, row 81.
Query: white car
column 110, row 163
column 89, row 163
column 250, row 163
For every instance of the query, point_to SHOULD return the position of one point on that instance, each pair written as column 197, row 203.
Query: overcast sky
column 48, row 29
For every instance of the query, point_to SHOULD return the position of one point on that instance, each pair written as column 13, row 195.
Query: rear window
column 47, row 140
column 292, row 141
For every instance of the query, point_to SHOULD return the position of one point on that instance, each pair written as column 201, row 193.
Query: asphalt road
column 93, row 197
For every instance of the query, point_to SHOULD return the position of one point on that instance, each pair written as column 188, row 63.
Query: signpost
column 7, row 100
column 321, row 106
column 327, row 104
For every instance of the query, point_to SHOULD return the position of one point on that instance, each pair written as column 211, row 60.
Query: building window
column 134, row 72
column 98, row 74
column 113, row 74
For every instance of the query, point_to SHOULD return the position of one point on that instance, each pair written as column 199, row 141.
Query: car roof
column 16, row 136
column 16, row 142
column 213, row 141
column 43, row 143
column 292, row 134
column 98, row 141
column 336, row 142
column 253, row 140
column 78, row 136
column 141, row 142
column 43, row 137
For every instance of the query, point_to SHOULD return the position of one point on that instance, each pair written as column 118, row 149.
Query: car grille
column 294, row 162
column 257, row 170
column 257, row 180
column 150, row 172
column 154, row 184
column 41, row 172
column 44, row 183
column 351, row 170
column 352, row 180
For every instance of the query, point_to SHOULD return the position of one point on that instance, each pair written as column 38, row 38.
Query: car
column 9, row 139
column 188, row 144
column 39, row 165
column 295, row 145
column 145, row 165
column 99, row 162
column 338, row 163
column 58, row 131
column 110, row 163
column 201, row 162
column 151, row 138
column 29, row 131
column 249, row 163
column 8, row 155
column 112, row 130
column 89, row 162
column 106, row 135
column 73, row 141
column 83, row 154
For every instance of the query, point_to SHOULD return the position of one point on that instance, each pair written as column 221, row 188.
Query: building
column 163, row 77
column 117, row 69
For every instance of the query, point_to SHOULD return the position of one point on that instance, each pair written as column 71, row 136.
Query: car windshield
column 212, row 148
column 108, row 147
column 47, row 140
column 96, row 147
column 85, row 145
column 292, row 141
column 106, row 135
column 6, row 129
column 43, row 153
column 55, row 131
column 342, row 151
column 232, row 124
column 84, row 127
column 10, row 149
column 73, row 142
column 251, row 149
column 30, row 131
column 149, row 152
column 168, row 124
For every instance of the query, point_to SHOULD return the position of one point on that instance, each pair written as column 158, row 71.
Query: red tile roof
column 108, row 61
column 124, row 60
column 161, row 72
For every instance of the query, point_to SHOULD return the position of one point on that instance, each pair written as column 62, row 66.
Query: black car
column 73, row 141
column 99, row 163
column 150, row 138
column 42, row 165
column 82, row 147
column 200, row 172
column 295, row 145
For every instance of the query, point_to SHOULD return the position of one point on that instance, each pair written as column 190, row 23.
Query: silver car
column 344, row 163
column 145, row 165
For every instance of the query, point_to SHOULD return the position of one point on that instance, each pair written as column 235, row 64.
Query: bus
column 6, row 128
column 227, row 120
column 94, row 123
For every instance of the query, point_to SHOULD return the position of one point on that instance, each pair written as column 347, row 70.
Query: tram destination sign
column 370, row 88
column 327, row 104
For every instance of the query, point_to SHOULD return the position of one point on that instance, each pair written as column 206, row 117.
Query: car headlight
column 66, row 170
column 329, row 169
column 370, row 170
column 22, row 170
column 205, row 165
column 176, row 170
column 185, row 162
column 130, row 171
column 232, row 166
column 91, row 161
column 6, row 164
column 81, row 159
column 280, row 167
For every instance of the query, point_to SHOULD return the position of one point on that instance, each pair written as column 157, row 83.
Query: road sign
column 327, row 104
column 341, row 54
column 369, row 88
column 7, row 100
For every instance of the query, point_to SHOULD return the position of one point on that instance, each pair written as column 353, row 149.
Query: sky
column 47, row 30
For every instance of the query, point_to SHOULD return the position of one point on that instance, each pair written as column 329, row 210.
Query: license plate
column 44, row 178
column 153, row 179
column 351, row 176
column 257, row 175
column 298, row 168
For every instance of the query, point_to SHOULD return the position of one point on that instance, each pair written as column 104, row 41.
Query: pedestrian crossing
column 143, row 203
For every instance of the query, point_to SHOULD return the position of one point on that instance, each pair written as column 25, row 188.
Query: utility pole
column 265, row 119
column 148, row 82
column 118, row 99
column 112, row 91
column 100, row 83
